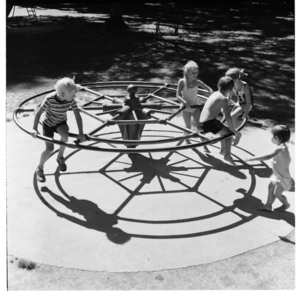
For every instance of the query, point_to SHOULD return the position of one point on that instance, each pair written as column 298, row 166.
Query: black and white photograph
column 149, row 145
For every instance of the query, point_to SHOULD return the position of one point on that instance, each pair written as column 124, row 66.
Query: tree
column 116, row 21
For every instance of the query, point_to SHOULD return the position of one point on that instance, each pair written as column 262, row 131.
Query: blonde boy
column 210, row 124
column 54, row 109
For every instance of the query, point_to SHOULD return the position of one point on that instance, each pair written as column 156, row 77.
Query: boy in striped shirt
column 54, row 109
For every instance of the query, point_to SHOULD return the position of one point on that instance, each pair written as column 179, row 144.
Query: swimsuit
column 211, row 126
column 241, row 96
column 190, row 96
column 286, row 183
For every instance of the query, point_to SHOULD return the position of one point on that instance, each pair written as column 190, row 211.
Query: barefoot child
column 281, row 179
column 54, row 119
column 243, row 93
column 187, row 90
column 210, row 124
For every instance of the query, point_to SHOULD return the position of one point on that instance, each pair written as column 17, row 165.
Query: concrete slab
column 162, row 211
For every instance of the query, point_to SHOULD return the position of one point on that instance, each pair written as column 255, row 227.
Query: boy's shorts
column 49, row 131
column 212, row 126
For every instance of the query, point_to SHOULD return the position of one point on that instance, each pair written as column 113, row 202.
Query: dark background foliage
column 256, row 36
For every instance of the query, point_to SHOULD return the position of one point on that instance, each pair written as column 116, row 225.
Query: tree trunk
column 116, row 20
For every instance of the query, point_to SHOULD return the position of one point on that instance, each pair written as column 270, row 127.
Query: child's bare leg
column 45, row 155
column 223, row 149
column 234, row 115
column 285, row 204
column 227, row 147
column 187, row 119
column 196, row 116
column 273, row 191
column 64, row 133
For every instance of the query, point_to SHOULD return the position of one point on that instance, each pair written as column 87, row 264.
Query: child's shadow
column 96, row 218
column 220, row 165
column 250, row 204
column 262, row 172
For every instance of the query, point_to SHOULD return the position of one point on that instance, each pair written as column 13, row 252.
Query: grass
column 26, row 264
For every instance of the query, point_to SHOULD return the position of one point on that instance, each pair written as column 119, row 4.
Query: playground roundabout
column 136, row 208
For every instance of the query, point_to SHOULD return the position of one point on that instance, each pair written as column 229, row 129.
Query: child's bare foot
column 282, row 208
column 40, row 175
column 265, row 208
column 222, row 152
column 237, row 138
column 229, row 159
column 61, row 163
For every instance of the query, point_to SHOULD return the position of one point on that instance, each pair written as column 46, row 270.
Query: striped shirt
column 55, row 109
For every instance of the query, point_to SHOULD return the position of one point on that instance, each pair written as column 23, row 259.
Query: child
column 208, row 119
column 187, row 90
column 133, row 132
column 243, row 92
column 54, row 119
column 281, row 179
column 132, row 100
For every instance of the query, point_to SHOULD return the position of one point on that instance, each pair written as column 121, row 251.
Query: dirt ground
column 75, row 42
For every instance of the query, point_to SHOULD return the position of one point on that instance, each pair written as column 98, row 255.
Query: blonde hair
column 235, row 73
column 65, row 84
column 190, row 65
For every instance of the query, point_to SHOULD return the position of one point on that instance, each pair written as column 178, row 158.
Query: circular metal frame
column 117, row 109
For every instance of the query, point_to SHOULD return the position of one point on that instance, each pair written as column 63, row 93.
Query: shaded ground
column 258, row 40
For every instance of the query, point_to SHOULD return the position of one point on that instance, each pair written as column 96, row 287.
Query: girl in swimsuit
column 281, row 179
column 243, row 93
column 187, row 90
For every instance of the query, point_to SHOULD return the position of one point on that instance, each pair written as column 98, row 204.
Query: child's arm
column 78, row 118
column 227, row 115
column 36, row 121
column 230, row 97
column 248, row 99
column 179, row 91
column 206, row 87
column 266, row 156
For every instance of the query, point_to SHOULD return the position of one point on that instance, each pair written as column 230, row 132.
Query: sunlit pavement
column 118, row 213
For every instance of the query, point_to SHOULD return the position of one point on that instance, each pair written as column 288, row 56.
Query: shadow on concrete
column 249, row 204
column 146, row 168
column 95, row 218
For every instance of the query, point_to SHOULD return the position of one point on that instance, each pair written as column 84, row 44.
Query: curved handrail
column 78, row 145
